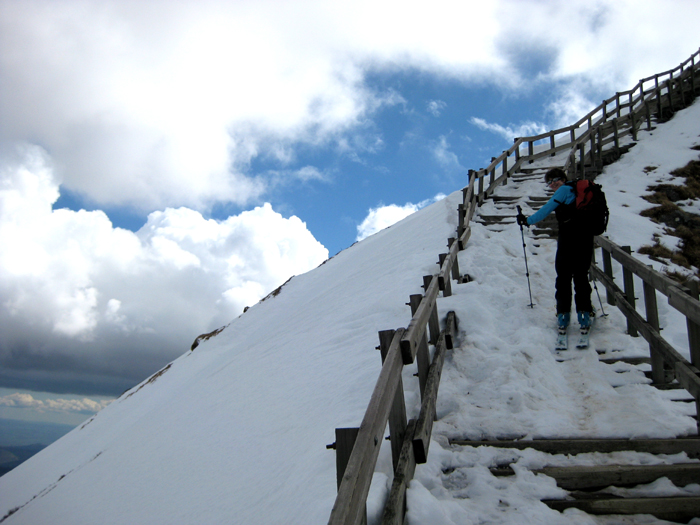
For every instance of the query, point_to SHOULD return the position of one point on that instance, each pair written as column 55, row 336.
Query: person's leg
column 563, row 265
column 582, row 287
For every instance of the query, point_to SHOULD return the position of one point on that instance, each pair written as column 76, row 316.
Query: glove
column 522, row 220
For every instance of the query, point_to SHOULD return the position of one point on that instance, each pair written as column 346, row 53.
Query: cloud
column 382, row 216
column 80, row 297
column 435, row 107
column 27, row 401
column 167, row 103
column 510, row 132
column 446, row 158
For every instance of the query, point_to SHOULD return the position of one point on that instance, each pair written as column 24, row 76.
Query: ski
column 583, row 338
column 585, row 333
column 562, row 339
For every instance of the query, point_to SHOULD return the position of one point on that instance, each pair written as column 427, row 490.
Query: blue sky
column 165, row 164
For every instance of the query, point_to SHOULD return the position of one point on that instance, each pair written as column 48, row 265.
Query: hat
column 554, row 174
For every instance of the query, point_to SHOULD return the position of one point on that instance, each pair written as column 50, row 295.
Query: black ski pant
column 574, row 253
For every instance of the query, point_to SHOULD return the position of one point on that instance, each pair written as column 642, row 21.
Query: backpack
column 591, row 207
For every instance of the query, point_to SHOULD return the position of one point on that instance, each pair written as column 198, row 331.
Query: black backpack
column 591, row 207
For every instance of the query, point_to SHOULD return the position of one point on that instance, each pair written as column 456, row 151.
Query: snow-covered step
column 636, row 485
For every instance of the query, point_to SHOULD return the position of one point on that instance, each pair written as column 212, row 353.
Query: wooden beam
column 601, row 476
column 416, row 327
column 680, row 509
column 424, row 424
column 395, row 507
column 691, row 446
column 397, row 416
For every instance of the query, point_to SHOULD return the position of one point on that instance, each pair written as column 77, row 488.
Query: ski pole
column 527, row 270
column 599, row 300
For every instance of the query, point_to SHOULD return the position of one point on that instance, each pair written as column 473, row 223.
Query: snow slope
column 236, row 430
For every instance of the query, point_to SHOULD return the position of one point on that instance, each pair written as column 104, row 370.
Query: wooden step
column 679, row 509
column 601, row 476
column 689, row 445
column 628, row 360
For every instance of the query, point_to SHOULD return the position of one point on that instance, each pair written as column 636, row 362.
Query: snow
column 236, row 430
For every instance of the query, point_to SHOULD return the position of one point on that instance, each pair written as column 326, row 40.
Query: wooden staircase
column 588, row 486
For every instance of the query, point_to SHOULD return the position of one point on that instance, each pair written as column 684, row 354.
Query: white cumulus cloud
column 383, row 216
column 511, row 131
column 83, row 406
column 70, row 278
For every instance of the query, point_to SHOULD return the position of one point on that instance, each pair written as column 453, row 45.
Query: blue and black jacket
column 562, row 202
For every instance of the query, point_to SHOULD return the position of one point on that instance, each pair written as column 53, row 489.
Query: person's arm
column 563, row 195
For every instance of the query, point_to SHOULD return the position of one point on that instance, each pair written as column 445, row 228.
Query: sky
column 248, row 414
column 163, row 165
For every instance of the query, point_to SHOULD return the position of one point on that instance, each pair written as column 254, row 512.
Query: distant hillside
column 17, row 433
column 10, row 457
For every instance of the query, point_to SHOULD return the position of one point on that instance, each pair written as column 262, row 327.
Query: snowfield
column 236, row 430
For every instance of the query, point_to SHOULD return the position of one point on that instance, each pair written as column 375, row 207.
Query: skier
column 574, row 254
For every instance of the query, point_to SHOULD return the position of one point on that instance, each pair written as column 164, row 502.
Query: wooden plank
column 628, row 282
column 650, row 306
column 424, row 424
column 395, row 507
column 446, row 262
column 397, row 416
column 349, row 505
column 416, row 327
column 680, row 509
column 684, row 303
column 691, row 446
column 433, row 321
column 422, row 353
column 628, row 360
column 601, row 476
column 465, row 237
column 344, row 442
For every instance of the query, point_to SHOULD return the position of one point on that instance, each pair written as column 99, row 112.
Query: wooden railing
column 666, row 362
column 357, row 449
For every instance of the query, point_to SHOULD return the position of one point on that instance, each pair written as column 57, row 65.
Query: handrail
column 665, row 359
column 358, row 450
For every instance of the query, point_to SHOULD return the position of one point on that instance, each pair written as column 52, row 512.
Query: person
column 574, row 251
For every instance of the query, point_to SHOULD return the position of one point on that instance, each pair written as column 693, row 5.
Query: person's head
column 555, row 177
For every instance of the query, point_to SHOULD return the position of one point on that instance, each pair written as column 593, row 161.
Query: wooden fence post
column 608, row 270
column 395, row 508
column 693, row 328
column 434, row 321
column 551, row 144
column 397, row 417
column 481, row 187
column 447, row 283
column 456, row 274
column 628, row 279
column 658, row 373
column 344, row 441
column 422, row 353
column 694, row 340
